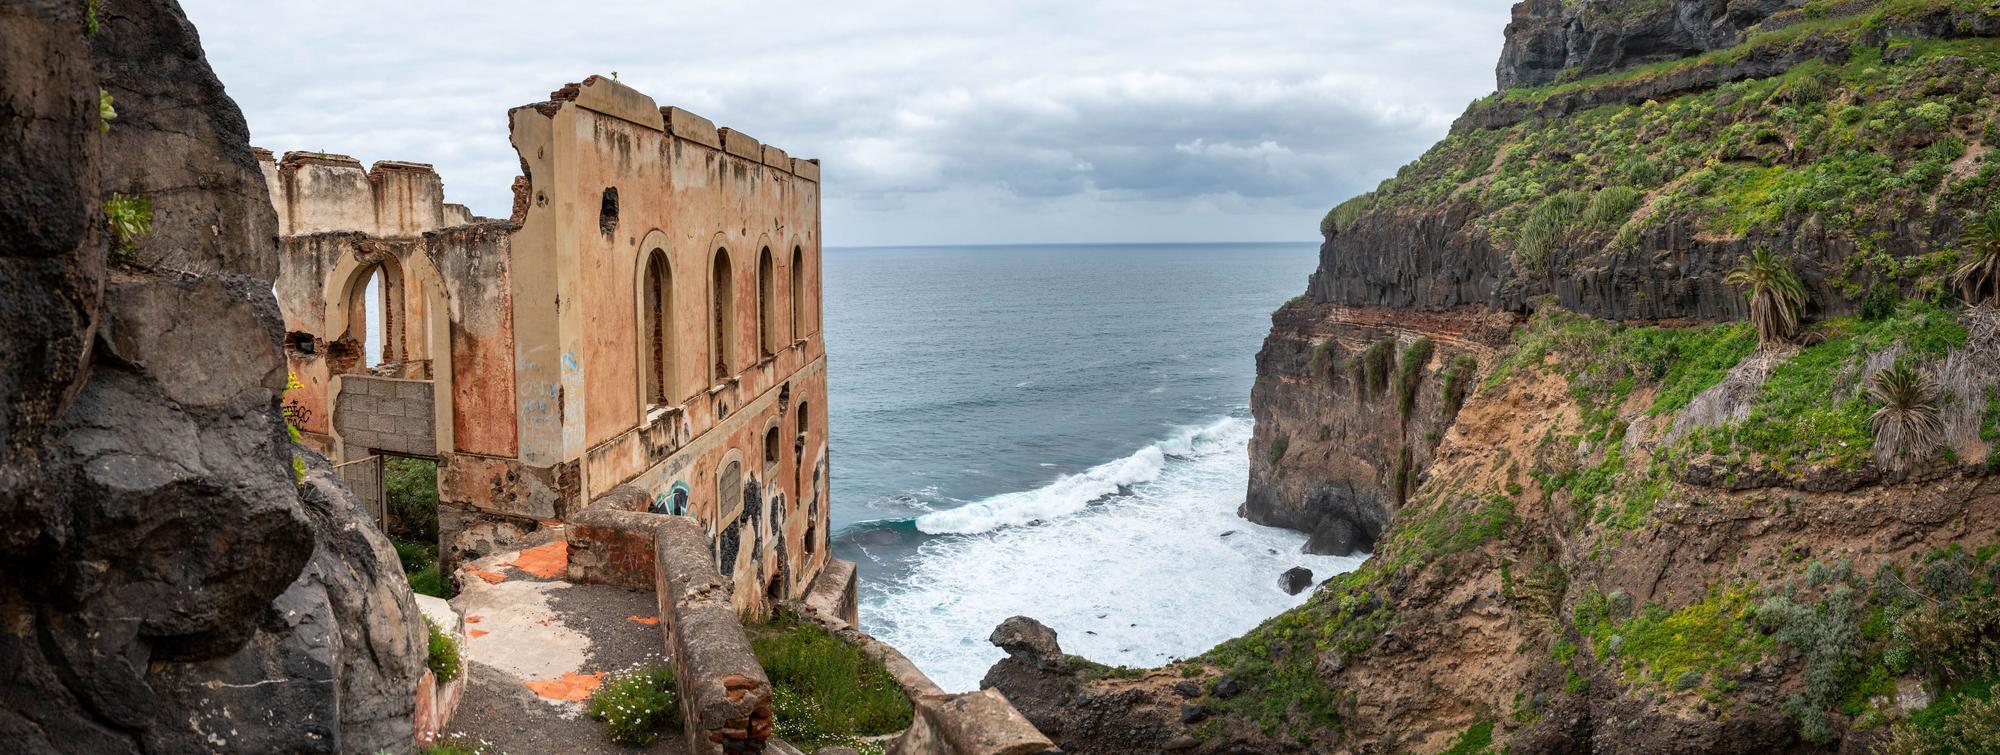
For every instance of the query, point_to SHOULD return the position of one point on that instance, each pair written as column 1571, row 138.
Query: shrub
column 635, row 705
column 1612, row 205
column 411, row 487
column 1410, row 374
column 1908, row 423
column 826, row 692
column 1973, row 727
column 1325, row 360
column 1344, row 215
column 129, row 217
column 1458, row 376
column 443, row 660
column 1978, row 277
column 105, row 112
column 1534, row 240
column 1777, row 298
column 1375, row 365
column 1276, row 451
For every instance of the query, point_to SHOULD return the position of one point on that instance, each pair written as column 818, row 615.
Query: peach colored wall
column 544, row 384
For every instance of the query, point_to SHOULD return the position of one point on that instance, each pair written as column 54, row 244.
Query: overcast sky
column 935, row 122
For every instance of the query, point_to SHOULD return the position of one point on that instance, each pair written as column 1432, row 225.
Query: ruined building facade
column 647, row 320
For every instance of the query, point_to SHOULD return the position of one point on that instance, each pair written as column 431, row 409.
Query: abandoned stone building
column 640, row 339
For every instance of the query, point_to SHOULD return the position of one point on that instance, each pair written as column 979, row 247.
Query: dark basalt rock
column 1550, row 40
column 167, row 589
column 1295, row 580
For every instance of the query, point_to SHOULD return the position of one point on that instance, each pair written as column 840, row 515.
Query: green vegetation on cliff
column 1853, row 147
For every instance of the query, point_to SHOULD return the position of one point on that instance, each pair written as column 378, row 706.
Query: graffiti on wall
column 673, row 501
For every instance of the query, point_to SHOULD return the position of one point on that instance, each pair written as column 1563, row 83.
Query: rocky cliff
column 173, row 582
column 1604, row 514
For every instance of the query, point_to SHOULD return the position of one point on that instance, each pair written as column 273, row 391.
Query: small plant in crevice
column 90, row 24
column 1777, row 297
column 443, row 657
column 105, row 112
column 1908, row 423
column 1977, row 278
column 1410, row 374
column 129, row 217
column 1276, row 451
column 1375, row 365
column 635, row 705
column 1325, row 362
column 1458, row 374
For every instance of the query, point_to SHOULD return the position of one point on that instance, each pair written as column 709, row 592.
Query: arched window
column 798, row 293
column 657, row 307
column 728, row 493
column 771, row 446
column 722, row 326
column 767, row 285
column 375, row 317
column 376, row 320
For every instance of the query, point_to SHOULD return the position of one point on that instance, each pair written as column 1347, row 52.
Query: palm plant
column 1908, row 421
column 1978, row 278
column 1777, row 297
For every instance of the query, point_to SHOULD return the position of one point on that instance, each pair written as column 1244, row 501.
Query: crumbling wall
column 725, row 697
column 321, row 192
column 169, row 586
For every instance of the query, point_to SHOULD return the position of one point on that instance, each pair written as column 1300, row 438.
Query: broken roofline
column 609, row 97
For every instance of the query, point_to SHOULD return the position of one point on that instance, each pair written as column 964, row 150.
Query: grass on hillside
column 1860, row 145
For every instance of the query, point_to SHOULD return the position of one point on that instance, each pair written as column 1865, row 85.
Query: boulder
column 169, row 588
column 1036, row 676
column 1295, row 580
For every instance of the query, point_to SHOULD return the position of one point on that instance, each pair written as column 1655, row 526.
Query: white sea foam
column 1145, row 578
column 1071, row 493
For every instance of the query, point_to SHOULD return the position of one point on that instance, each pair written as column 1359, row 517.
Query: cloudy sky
column 935, row 122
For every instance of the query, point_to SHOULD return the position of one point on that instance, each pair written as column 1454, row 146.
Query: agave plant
column 1777, row 298
column 1978, row 278
column 1908, row 422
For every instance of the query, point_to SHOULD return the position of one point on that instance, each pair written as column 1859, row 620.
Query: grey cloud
column 1060, row 120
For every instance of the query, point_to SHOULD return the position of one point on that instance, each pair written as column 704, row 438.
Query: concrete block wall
column 386, row 414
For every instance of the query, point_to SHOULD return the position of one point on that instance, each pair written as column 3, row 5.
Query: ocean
column 1057, row 431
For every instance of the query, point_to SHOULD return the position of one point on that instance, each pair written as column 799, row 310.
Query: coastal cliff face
column 173, row 583
column 1634, row 526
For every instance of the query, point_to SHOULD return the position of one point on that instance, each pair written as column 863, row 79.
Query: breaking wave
column 1071, row 493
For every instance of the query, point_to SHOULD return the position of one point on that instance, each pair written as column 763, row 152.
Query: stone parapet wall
column 725, row 697
column 612, row 542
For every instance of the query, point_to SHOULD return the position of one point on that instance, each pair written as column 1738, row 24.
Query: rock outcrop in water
column 1602, row 515
column 169, row 586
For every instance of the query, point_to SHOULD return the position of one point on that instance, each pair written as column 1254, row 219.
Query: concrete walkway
column 538, row 647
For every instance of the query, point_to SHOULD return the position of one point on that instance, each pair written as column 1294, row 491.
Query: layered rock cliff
column 173, row 582
column 1604, row 515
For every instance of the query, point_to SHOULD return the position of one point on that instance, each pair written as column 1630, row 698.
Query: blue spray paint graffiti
column 673, row 501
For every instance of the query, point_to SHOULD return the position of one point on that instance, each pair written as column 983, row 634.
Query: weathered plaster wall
column 547, row 398
column 318, row 192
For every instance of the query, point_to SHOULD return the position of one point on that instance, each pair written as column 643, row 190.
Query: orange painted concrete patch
column 646, row 620
column 492, row 578
column 477, row 633
column 548, row 561
column 572, row 686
